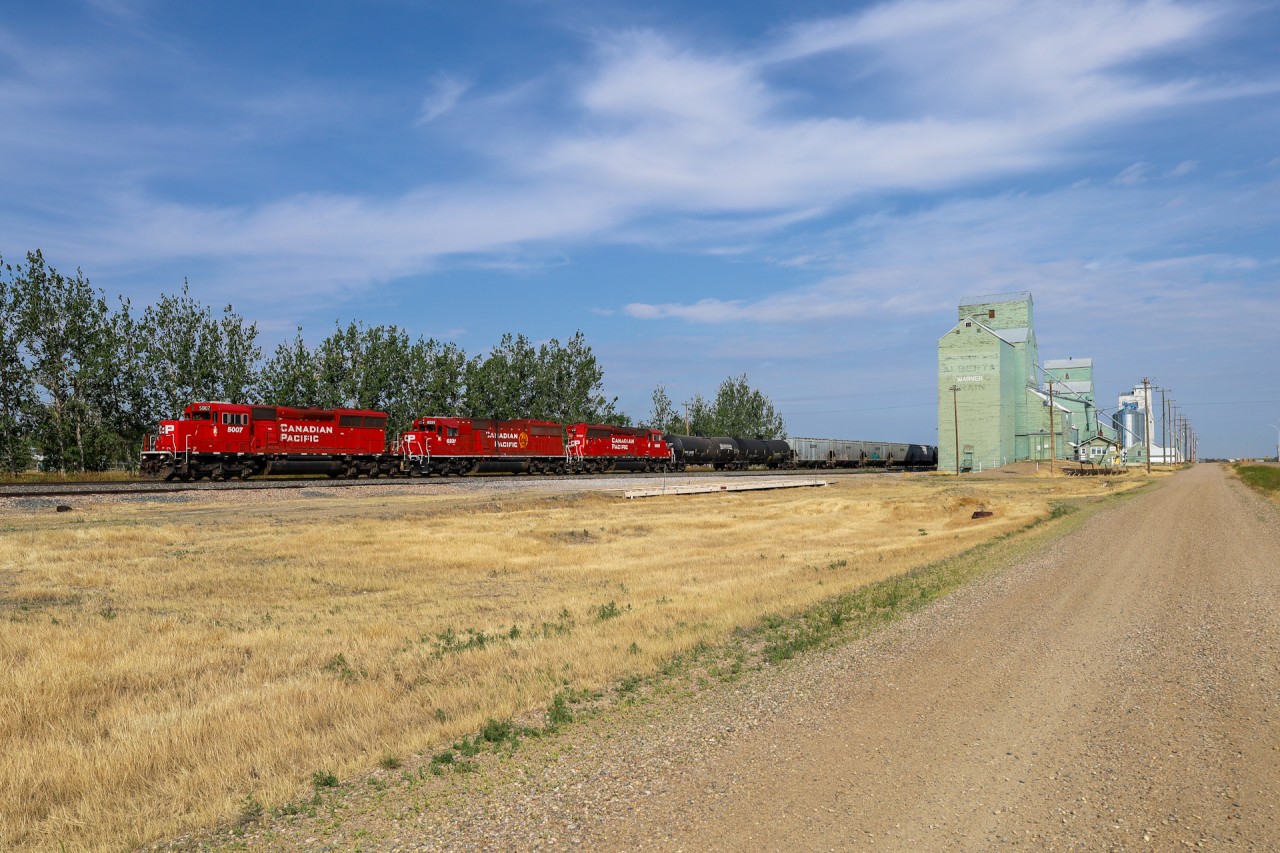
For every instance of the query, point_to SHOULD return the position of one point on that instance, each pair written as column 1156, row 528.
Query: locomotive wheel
column 245, row 473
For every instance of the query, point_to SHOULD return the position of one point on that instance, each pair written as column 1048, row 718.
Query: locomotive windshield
column 198, row 416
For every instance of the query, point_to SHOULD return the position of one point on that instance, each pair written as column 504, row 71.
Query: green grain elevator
column 986, row 375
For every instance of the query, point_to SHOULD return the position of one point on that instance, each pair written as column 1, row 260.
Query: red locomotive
column 224, row 440
column 602, row 447
column 436, row 445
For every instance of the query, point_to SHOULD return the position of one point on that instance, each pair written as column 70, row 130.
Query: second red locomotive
column 476, row 445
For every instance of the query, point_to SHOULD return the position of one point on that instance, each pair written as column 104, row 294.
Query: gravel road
column 1119, row 691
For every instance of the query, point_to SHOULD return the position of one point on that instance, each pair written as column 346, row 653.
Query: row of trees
column 82, row 380
column 738, row 409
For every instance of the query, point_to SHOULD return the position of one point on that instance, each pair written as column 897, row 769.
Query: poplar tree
column 664, row 415
column 17, row 394
column 290, row 377
column 737, row 410
column 72, row 347
column 183, row 360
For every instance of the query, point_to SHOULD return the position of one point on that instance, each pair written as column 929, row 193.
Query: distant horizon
column 803, row 192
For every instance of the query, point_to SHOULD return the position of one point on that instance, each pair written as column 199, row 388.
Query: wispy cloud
column 443, row 97
column 658, row 140
column 1098, row 250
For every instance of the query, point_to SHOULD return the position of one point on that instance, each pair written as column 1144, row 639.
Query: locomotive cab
column 202, row 428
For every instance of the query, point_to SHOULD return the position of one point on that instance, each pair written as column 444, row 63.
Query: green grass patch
column 1264, row 478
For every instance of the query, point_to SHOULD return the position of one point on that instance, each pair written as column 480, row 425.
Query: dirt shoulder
column 1117, row 691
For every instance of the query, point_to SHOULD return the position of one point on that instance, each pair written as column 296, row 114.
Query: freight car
column 225, row 440
column 717, row 451
column 841, row 453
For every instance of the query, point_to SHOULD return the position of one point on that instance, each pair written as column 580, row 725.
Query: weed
column 468, row 746
column 1060, row 510
column 608, row 611
column 250, row 810
column 447, row 642
column 389, row 762
column 324, row 779
column 558, row 713
column 338, row 666
column 496, row 731
column 633, row 649
column 441, row 716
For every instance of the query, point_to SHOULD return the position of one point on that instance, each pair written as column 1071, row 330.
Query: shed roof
column 1014, row 336
column 992, row 298
column 1067, row 363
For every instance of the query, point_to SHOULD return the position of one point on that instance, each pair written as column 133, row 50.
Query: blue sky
column 798, row 190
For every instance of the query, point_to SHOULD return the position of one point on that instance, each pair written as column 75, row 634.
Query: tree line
column 737, row 409
column 83, row 379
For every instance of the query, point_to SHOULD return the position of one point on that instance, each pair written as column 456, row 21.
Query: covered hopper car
column 843, row 453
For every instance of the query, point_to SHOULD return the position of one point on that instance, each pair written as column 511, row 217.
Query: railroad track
column 153, row 487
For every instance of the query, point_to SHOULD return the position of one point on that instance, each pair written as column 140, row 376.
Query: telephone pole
column 1147, row 430
column 1164, row 428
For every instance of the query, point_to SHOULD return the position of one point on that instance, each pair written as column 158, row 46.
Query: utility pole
column 1164, row 427
column 955, row 415
column 1147, row 430
column 686, row 417
column 1053, row 448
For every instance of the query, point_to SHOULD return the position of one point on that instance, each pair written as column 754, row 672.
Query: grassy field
column 167, row 664
column 1264, row 478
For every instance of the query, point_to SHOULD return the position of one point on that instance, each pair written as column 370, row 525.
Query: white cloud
column 1132, row 175
column 1098, row 250
column 662, row 143
column 443, row 97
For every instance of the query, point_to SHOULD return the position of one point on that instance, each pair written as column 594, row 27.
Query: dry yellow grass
column 163, row 662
